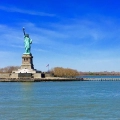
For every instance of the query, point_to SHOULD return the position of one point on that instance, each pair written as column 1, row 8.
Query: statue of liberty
column 27, row 42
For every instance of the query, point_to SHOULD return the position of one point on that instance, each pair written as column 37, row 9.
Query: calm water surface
column 93, row 100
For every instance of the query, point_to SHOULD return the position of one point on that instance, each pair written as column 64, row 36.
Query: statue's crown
column 26, row 35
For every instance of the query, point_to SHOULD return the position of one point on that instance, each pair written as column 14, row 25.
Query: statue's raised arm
column 24, row 31
column 27, row 42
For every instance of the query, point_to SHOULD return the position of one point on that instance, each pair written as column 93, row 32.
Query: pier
column 101, row 79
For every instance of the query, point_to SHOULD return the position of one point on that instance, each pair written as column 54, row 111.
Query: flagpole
column 48, row 68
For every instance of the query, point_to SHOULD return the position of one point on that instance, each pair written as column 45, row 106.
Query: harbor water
column 80, row 100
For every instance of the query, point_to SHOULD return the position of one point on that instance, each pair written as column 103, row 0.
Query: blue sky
column 79, row 34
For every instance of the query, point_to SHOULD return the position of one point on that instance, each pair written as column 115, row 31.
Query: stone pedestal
column 27, row 64
column 27, row 68
column 27, row 61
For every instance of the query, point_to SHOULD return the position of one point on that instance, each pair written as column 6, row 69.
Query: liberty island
column 27, row 71
column 27, row 68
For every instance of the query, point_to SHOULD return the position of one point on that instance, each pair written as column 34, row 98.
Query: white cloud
column 10, row 34
column 40, row 50
column 30, row 12
column 18, row 46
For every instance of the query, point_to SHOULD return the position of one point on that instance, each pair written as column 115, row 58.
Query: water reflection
column 27, row 99
column 26, row 86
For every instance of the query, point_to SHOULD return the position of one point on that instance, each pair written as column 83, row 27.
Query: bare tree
column 9, row 69
column 64, row 72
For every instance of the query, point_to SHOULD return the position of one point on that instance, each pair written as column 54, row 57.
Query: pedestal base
column 27, row 64
column 27, row 68
column 27, row 61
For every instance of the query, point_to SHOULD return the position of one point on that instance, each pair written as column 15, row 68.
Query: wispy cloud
column 18, row 46
column 6, row 54
column 10, row 35
column 40, row 50
column 82, row 31
column 30, row 12
column 80, row 35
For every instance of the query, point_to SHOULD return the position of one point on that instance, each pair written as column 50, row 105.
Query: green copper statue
column 27, row 42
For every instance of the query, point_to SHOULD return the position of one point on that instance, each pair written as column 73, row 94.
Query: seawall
column 7, row 79
column 54, row 79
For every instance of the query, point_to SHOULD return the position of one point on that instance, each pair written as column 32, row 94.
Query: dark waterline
column 60, row 101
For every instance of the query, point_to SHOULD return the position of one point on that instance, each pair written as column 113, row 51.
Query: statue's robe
column 27, row 42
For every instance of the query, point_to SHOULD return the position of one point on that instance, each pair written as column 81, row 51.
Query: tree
column 64, row 72
column 9, row 69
